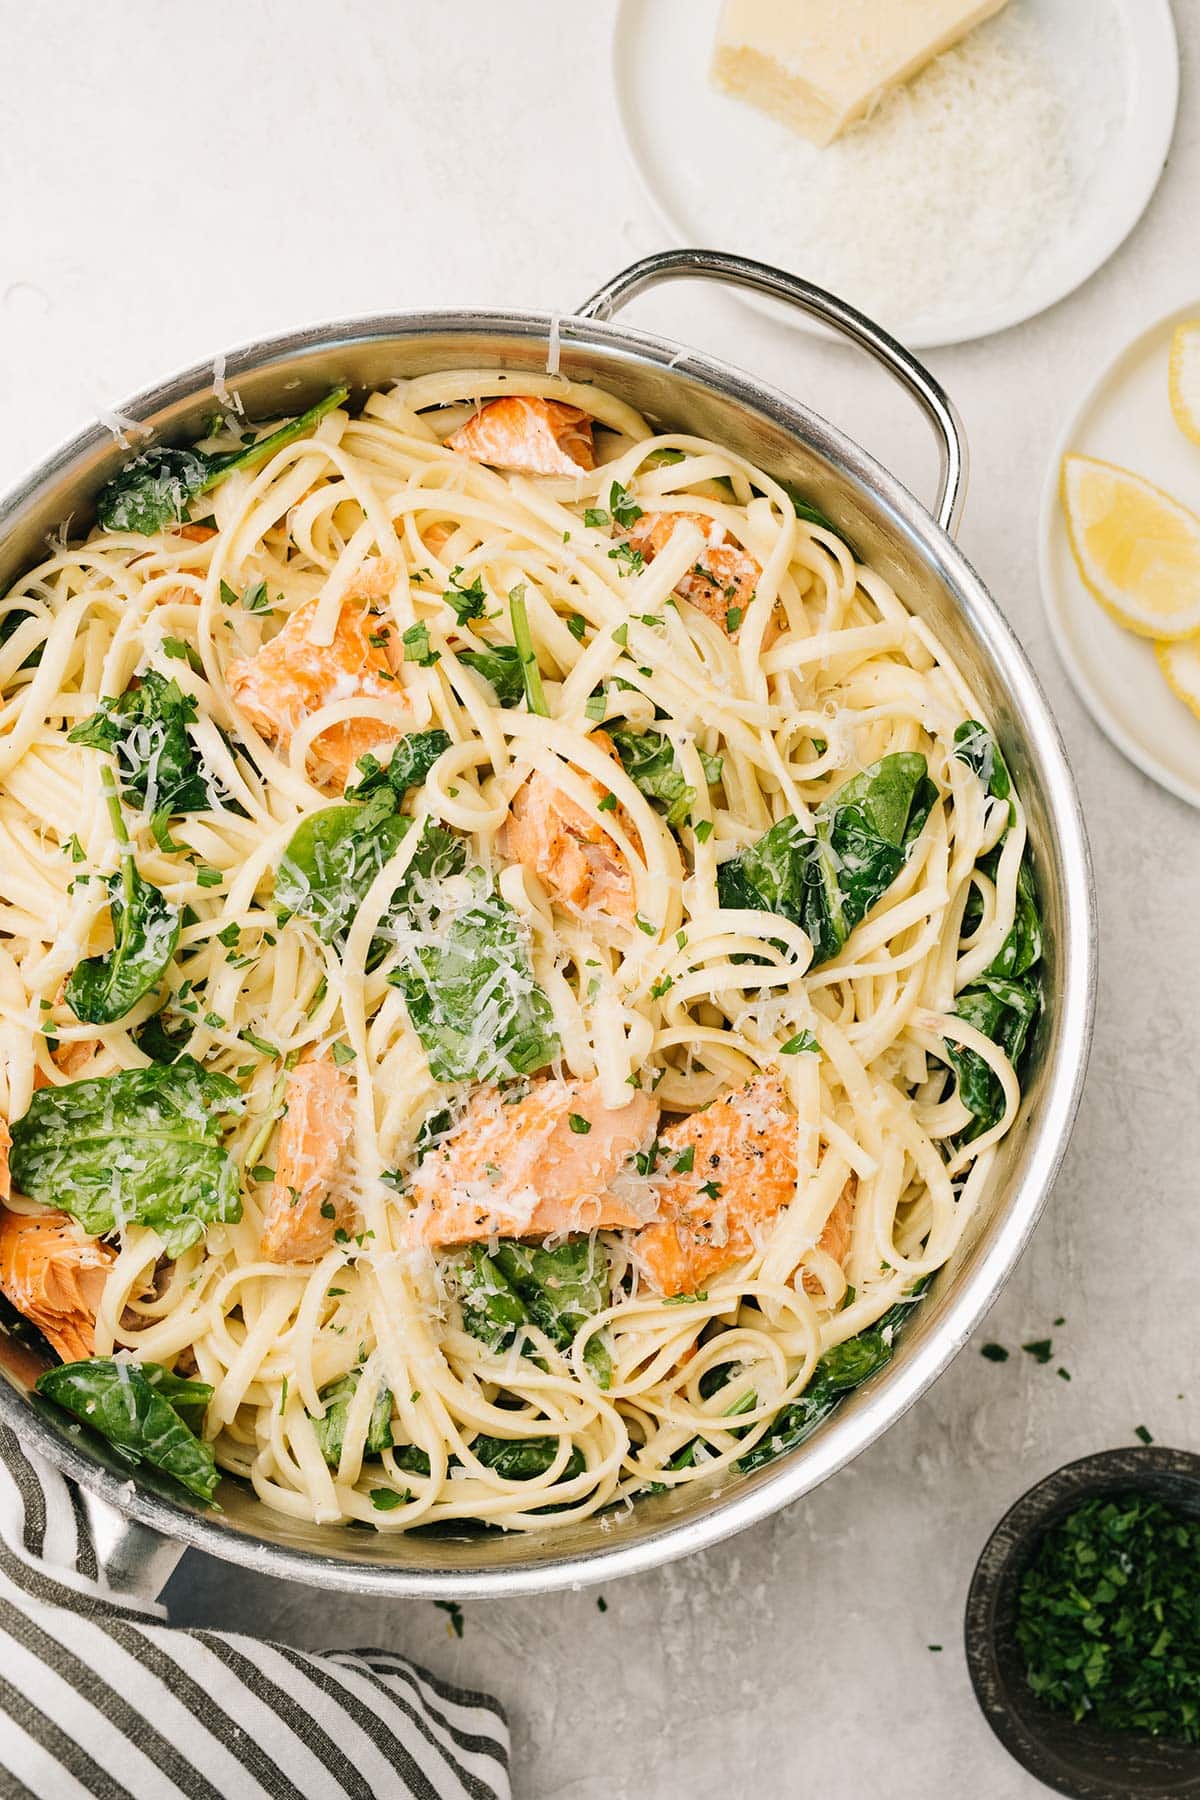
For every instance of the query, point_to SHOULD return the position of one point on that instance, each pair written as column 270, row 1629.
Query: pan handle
column 742, row 271
column 132, row 1558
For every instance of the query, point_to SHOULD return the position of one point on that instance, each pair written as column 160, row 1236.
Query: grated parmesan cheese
column 940, row 202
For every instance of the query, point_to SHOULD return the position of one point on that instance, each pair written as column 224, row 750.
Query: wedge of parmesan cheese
column 821, row 64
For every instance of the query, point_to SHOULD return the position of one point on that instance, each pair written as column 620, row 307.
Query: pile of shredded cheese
column 942, row 200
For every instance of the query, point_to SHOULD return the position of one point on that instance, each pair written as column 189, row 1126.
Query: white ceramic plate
column 1126, row 418
column 718, row 171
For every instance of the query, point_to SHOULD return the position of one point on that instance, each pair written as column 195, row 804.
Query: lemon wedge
column 1137, row 549
column 1180, row 663
column 1184, row 378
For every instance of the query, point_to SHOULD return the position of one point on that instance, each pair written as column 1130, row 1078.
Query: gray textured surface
column 306, row 162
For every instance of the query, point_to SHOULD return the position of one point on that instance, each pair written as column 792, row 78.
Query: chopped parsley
column 630, row 561
column 994, row 1352
column 803, row 1041
column 624, row 508
column 579, row 1125
column 1107, row 1617
column 417, row 647
column 469, row 601
column 254, row 598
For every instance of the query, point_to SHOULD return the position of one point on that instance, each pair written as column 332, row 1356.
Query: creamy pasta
column 604, row 1073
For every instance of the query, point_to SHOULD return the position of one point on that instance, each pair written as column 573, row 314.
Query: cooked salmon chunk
column 568, row 848
column 537, row 1167
column 291, row 677
column 530, row 435
column 738, row 1168
column 724, row 578
column 54, row 1278
column 309, row 1200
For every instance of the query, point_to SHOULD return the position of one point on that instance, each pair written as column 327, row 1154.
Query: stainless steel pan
column 914, row 548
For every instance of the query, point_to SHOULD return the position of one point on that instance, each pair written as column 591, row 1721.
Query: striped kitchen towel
column 100, row 1696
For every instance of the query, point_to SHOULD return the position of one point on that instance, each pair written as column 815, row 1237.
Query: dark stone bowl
column 1075, row 1759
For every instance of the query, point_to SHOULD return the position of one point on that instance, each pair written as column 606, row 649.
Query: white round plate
column 1126, row 418
column 714, row 167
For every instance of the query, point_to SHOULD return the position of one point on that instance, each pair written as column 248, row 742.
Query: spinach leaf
column 334, row 856
column 331, row 860
column 1003, row 1010
column 142, row 1146
column 146, row 930
column 145, row 1413
column 812, row 515
column 648, row 758
column 410, row 763
column 868, row 827
column 828, row 882
column 155, row 489
column 1022, row 948
column 503, row 666
column 146, row 729
column 520, row 1459
column 472, row 998
column 842, row 1368
column 412, row 1459
column 331, row 1430
column 440, row 854
column 975, row 746
column 556, row 1290
column 161, row 1042
column 516, row 1459
column 1003, row 1002
column 9, row 624
column 188, row 1396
